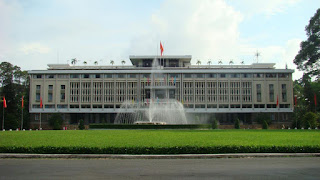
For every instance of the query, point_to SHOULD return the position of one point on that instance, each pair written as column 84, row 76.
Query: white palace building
column 226, row 92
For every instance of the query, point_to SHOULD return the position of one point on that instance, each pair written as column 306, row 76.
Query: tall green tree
column 14, row 85
column 308, row 57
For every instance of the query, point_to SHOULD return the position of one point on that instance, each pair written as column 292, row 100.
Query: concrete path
column 219, row 168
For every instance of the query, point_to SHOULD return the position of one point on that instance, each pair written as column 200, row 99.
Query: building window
column 187, row 75
column 234, row 75
column 222, row 75
column 50, row 97
column 37, row 117
column 50, row 76
column 121, row 76
column 258, row 75
column 38, row 87
column 85, row 76
column 38, row 76
column 62, row 96
column 284, row 92
column 63, row 76
column 271, row 93
column 97, row 76
column 258, row 92
column 211, row 75
column 271, row 75
column 50, row 87
column 247, row 75
column 63, row 87
column 200, row 75
column 74, row 75
column 132, row 75
column 108, row 76
column 283, row 75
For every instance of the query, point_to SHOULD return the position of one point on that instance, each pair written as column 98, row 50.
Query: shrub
column 264, row 125
column 214, row 124
column 310, row 120
column 261, row 117
column 237, row 124
column 150, row 126
column 81, row 124
column 55, row 121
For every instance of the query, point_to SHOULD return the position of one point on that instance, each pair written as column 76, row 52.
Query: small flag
column 4, row 102
column 181, row 101
column 277, row 100
column 132, row 101
column 315, row 99
column 175, row 80
column 145, row 79
column 172, row 80
column 161, row 48
column 41, row 102
column 164, row 80
column 148, row 80
column 295, row 101
column 22, row 102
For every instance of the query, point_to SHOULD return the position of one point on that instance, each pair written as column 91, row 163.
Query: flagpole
column 22, row 119
column 3, row 117
column 40, row 121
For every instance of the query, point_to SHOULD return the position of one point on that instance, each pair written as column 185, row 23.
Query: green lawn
column 157, row 139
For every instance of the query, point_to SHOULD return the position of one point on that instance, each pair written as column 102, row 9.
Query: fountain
column 158, row 108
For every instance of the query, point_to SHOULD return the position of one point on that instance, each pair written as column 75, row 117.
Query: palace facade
column 226, row 92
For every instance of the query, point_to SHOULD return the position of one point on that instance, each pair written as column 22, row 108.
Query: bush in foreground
column 237, row 124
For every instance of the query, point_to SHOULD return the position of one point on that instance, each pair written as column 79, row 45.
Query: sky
column 34, row 33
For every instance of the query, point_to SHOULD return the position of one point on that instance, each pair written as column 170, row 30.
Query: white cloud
column 34, row 48
column 204, row 29
column 268, row 8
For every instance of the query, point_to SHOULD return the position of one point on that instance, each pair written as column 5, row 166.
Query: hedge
column 161, row 150
column 150, row 126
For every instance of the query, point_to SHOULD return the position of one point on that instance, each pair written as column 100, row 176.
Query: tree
column 123, row 62
column 310, row 120
column 14, row 85
column 96, row 63
column 214, row 124
column 81, row 124
column 308, row 57
column 230, row 62
column 56, row 121
column 74, row 61
column 209, row 62
column 220, row 62
column 237, row 124
column 112, row 62
column 198, row 62
column 85, row 62
column 242, row 62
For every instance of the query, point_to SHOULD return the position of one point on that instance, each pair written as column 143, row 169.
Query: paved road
column 238, row 168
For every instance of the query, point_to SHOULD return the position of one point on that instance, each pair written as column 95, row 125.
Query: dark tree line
column 14, row 85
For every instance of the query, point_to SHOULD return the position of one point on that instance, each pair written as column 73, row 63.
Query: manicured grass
column 160, row 141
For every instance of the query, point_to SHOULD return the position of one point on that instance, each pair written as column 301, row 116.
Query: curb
column 181, row 156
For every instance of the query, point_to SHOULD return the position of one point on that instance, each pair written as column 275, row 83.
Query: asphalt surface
column 219, row 168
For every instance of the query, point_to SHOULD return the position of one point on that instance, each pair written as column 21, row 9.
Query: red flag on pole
column 41, row 102
column 295, row 100
column 161, row 48
column 315, row 99
column 22, row 102
column 4, row 102
column 277, row 100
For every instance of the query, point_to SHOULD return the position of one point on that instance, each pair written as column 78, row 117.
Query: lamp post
column 295, row 97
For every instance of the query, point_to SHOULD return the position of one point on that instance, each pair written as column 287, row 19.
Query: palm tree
column 231, row 62
column 123, row 62
column 242, row 62
column 112, row 62
column 220, row 62
column 198, row 62
column 95, row 63
column 85, row 62
column 209, row 62
column 74, row 61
